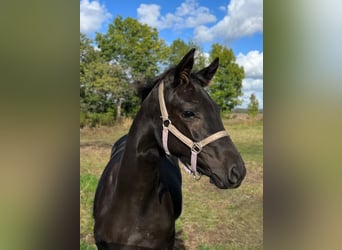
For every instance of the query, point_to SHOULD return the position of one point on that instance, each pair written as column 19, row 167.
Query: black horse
column 139, row 196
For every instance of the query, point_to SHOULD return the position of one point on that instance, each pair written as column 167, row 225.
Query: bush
column 107, row 119
column 93, row 119
column 97, row 119
column 83, row 119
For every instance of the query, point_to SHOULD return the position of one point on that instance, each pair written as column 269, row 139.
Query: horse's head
column 195, row 115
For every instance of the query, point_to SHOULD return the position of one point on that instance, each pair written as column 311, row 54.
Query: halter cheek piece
column 195, row 147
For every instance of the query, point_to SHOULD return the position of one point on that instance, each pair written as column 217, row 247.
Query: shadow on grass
column 179, row 242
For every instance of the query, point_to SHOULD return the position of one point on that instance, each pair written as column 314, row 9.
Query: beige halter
column 195, row 147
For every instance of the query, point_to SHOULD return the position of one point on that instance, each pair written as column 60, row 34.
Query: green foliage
column 83, row 117
column 92, row 119
column 129, row 52
column 107, row 119
column 103, row 86
column 134, row 46
column 253, row 106
column 179, row 48
column 87, row 51
column 131, row 106
column 226, row 87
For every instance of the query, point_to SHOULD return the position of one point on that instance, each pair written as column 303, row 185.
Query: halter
column 195, row 147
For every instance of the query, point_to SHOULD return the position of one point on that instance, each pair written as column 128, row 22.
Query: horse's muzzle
column 235, row 176
column 233, row 179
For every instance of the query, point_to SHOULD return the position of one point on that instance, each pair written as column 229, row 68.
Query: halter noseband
column 195, row 147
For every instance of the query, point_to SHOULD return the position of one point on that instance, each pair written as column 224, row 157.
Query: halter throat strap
column 195, row 147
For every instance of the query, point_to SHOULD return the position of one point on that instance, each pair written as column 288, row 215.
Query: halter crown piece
column 195, row 147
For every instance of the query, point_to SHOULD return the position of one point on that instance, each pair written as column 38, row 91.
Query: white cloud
column 243, row 18
column 252, row 63
column 223, row 8
column 149, row 14
column 188, row 15
column 249, row 84
column 203, row 34
column 92, row 16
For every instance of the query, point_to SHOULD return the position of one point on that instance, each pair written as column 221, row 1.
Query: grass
column 212, row 218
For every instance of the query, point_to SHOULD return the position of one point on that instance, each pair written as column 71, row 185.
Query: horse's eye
column 188, row 114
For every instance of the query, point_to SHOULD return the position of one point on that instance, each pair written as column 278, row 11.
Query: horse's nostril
column 234, row 175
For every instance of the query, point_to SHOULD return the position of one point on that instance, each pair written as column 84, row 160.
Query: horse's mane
column 144, row 88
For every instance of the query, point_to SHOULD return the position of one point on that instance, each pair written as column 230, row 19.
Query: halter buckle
column 166, row 123
column 196, row 148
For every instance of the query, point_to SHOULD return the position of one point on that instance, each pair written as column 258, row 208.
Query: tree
column 179, row 48
column 253, row 106
column 88, row 55
column 87, row 51
column 134, row 46
column 103, row 85
column 226, row 87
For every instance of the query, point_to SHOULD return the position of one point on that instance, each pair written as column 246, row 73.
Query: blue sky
column 237, row 24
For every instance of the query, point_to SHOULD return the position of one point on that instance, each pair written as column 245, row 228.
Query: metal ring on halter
column 166, row 123
column 196, row 147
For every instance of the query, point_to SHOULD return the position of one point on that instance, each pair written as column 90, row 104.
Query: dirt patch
column 254, row 173
column 96, row 144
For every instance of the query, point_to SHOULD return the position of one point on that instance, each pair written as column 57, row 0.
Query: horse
column 138, row 198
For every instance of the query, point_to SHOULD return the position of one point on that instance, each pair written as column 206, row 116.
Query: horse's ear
column 208, row 73
column 183, row 69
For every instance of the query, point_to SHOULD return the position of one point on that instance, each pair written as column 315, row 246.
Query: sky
column 237, row 24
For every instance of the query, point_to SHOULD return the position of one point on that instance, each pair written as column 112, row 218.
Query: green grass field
column 212, row 218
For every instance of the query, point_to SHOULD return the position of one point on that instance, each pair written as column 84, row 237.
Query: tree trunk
column 118, row 110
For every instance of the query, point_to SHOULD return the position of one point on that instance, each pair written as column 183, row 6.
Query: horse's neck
column 139, row 166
